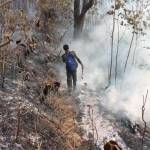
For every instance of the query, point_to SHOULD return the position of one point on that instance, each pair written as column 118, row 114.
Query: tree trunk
column 131, row 43
column 78, row 27
column 79, row 15
column 112, row 47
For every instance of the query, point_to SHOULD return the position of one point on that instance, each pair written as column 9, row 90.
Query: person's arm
column 63, row 58
column 79, row 61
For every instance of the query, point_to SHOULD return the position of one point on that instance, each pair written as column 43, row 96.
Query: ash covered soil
column 106, row 125
column 30, row 120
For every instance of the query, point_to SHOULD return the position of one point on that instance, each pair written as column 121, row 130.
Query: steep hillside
column 35, row 110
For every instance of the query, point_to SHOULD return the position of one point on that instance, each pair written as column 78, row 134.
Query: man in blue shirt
column 71, row 60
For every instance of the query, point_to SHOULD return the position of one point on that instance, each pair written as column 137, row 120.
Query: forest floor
column 28, row 119
column 106, row 125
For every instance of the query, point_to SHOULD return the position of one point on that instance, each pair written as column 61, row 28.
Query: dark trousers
column 71, row 78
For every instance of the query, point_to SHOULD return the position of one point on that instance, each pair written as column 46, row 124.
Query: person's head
column 66, row 47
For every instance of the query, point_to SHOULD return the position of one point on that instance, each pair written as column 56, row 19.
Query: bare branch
column 134, row 53
column 5, row 3
column 143, row 119
column 131, row 43
column 4, row 44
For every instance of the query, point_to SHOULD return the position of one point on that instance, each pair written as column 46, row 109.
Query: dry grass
column 55, row 127
column 63, row 118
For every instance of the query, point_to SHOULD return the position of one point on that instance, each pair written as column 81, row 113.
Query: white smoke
column 126, row 95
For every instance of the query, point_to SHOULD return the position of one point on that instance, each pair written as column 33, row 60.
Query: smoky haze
column 126, row 94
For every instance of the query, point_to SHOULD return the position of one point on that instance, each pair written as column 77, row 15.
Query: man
column 71, row 59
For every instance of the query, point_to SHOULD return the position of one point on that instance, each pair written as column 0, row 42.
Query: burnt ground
column 131, row 133
column 110, row 125
column 30, row 121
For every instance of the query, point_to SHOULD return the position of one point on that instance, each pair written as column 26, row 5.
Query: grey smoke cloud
column 126, row 95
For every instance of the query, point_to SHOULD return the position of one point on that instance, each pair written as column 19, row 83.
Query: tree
column 53, row 15
column 79, row 15
column 132, row 19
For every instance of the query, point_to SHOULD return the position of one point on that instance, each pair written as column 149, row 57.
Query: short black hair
column 23, row 45
column 66, row 47
column 19, row 41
